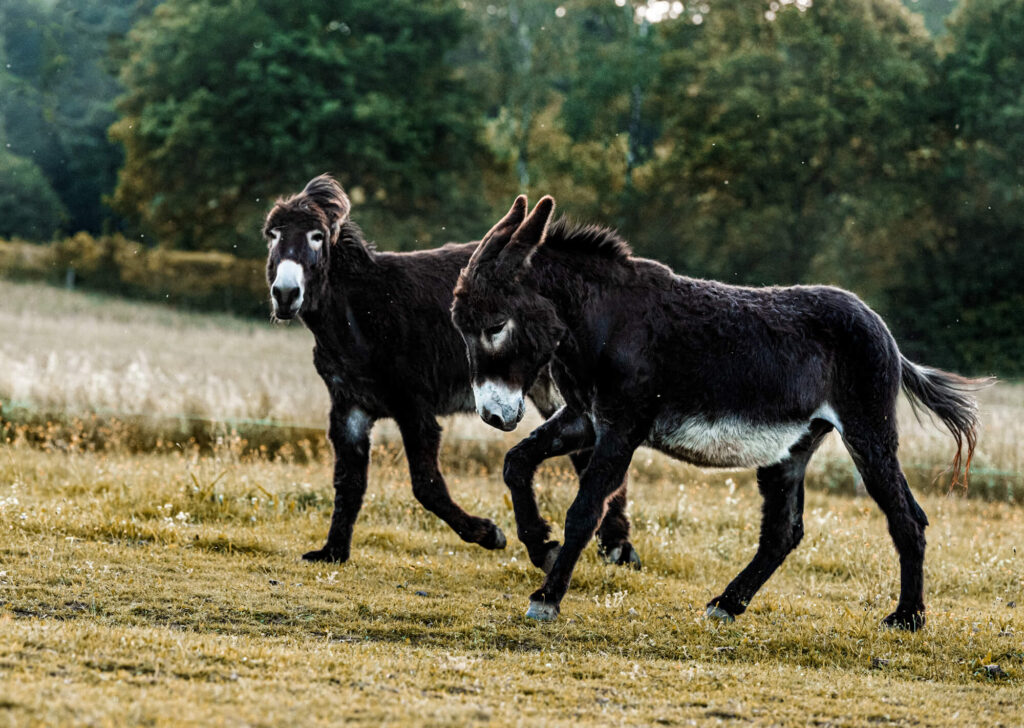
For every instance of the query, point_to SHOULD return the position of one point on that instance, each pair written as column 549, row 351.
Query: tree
column 58, row 96
column 517, row 53
column 231, row 102
column 29, row 208
column 568, row 96
column 793, row 140
column 608, row 110
column 960, row 302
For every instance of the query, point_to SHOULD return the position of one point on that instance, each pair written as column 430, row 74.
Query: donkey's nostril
column 285, row 296
column 494, row 420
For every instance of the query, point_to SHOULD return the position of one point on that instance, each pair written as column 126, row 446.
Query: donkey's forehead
column 475, row 306
column 482, row 287
column 288, row 216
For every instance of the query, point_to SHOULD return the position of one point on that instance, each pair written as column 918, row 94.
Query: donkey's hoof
column 326, row 554
column 906, row 620
column 624, row 555
column 719, row 614
column 495, row 539
column 549, row 561
column 542, row 611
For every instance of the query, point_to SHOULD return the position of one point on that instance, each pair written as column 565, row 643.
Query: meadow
column 150, row 577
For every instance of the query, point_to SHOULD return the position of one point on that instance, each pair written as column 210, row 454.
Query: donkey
column 386, row 347
column 712, row 374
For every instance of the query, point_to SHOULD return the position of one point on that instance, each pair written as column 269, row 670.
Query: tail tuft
column 949, row 396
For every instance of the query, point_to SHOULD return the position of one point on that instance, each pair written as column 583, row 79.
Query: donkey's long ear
column 499, row 235
column 328, row 195
column 530, row 236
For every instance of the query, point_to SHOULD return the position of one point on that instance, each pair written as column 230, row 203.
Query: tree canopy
column 958, row 301
column 874, row 144
column 228, row 102
column 791, row 140
column 58, row 87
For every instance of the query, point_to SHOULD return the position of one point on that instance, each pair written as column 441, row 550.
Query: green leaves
column 232, row 102
column 968, row 274
column 29, row 208
column 784, row 128
column 748, row 141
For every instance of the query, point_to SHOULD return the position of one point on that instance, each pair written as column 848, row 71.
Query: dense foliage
column 959, row 300
column 57, row 89
column 756, row 141
column 791, row 157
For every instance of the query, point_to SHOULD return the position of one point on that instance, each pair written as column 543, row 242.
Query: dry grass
column 72, row 352
column 157, row 377
column 164, row 588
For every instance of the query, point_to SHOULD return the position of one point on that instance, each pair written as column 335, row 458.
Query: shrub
column 19, row 259
column 28, row 205
column 114, row 264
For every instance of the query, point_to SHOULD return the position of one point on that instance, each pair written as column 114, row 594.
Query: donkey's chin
column 503, row 420
column 282, row 314
column 503, row 425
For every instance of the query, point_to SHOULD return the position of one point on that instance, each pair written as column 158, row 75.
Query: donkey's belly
column 726, row 442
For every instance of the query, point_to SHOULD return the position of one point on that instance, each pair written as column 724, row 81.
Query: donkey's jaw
column 499, row 404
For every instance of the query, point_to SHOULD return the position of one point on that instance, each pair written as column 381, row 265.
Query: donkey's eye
column 315, row 238
column 273, row 237
column 492, row 331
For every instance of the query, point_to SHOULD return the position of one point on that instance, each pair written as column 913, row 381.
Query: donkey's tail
column 949, row 396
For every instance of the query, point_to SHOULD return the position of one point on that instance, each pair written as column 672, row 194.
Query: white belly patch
column 730, row 442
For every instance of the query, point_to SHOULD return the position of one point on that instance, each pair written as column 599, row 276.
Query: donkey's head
column 300, row 230
column 510, row 330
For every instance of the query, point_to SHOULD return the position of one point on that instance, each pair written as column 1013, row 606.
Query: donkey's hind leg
column 874, row 452
column 782, row 525
column 421, row 436
column 565, row 432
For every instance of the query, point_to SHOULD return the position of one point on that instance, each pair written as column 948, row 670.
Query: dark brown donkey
column 716, row 375
column 385, row 347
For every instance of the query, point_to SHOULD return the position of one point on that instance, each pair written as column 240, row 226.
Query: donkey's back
column 772, row 355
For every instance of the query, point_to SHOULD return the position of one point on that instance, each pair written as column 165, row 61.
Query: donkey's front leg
column 602, row 478
column 613, row 534
column 421, row 436
column 349, row 433
column 565, row 432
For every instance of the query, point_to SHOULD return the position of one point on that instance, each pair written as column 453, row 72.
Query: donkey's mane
column 351, row 234
column 580, row 239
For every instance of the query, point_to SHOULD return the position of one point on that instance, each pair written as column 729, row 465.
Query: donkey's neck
column 351, row 255
column 354, row 282
column 572, row 286
column 570, row 281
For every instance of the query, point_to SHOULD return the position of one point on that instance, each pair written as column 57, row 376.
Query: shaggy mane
column 580, row 239
column 351, row 234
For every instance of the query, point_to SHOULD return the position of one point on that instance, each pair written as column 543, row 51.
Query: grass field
column 164, row 588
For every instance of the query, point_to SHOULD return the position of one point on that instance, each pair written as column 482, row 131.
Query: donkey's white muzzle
column 287, row 289
column 498, row 404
